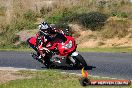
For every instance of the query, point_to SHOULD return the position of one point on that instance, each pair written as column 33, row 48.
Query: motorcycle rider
column 42, row 27
column 49, row 34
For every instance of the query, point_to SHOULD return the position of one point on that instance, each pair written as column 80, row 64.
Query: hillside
column 94, row 23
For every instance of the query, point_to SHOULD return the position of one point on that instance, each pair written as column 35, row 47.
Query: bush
column 93, row 20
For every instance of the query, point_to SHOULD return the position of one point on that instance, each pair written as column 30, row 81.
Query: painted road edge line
column 18, row 69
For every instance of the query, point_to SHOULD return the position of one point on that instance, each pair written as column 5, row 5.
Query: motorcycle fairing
column 32, row 40
column 74, row 54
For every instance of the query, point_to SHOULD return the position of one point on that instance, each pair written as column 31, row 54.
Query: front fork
column 74, row 54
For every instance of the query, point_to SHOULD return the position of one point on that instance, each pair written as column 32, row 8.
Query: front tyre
column 79, row 61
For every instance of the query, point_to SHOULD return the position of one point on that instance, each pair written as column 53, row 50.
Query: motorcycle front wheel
column 79, row 61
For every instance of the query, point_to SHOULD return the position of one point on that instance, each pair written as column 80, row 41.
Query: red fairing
column 64, row 48
column 32, row 40
column 65, row 51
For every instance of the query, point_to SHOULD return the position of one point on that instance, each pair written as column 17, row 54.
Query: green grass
column 15, row 48
column 50, row 79
column 114, row 49
column 8, row 33
column 11, row 49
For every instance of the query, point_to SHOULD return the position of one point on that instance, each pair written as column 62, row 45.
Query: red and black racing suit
column 47, row 38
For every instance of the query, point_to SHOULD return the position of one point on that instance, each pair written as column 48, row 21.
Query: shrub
column 93, row 20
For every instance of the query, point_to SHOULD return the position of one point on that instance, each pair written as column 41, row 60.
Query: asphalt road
column 115, row 65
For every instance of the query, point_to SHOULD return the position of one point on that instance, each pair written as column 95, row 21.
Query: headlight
column 69, row 45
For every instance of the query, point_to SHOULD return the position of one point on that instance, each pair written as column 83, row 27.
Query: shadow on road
column 72, row 68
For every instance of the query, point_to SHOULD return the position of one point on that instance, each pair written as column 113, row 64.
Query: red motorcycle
column 57, row 53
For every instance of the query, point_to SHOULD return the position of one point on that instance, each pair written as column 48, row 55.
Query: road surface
column 115, row 65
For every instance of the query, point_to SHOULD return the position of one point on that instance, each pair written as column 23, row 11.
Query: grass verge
column 114, row 49
column 15, row 49
column 50, row 79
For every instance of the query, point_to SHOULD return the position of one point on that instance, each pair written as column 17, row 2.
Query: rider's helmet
column 45, row 27
column 53, row 29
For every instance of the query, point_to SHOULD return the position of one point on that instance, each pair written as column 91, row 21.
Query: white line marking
column 93, row 76
column 73, row 73
column 63, row 72
column 15, row 69
column 18, row 69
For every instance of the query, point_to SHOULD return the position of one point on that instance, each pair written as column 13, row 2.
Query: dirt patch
column 92, row 39
column 8, row 75
column 25, row 34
